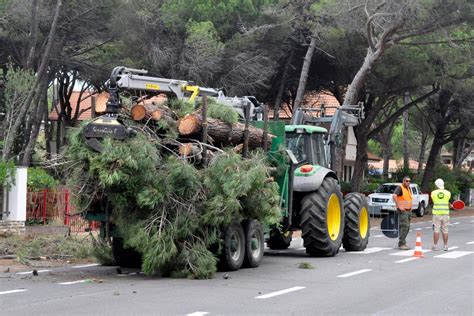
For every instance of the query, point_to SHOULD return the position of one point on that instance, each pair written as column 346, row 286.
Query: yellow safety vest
column 441, row 202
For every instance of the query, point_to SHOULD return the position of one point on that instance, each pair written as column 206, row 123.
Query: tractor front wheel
column 357, row 228
column 322, row 219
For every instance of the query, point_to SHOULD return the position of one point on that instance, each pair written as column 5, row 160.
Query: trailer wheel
column 254, row 243
column 357, row 227
column 322, row 219
column 279, row 240
column 233, row 250
column 125, row 257
column 420, row 211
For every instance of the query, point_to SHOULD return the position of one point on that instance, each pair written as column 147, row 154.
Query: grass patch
column 46, row 247
column 305, row 265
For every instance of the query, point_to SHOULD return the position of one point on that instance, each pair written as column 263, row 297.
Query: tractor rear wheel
column 279, row 240
column 125, row 257
column 322, row 219
column 357, row 227
column 233, row 249
column 254, row 243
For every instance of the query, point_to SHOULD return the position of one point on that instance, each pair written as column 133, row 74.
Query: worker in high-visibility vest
column 441, row 207
column 404, row 201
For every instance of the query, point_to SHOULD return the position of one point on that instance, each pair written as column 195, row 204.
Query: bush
column 39, row 179
column 455, row 182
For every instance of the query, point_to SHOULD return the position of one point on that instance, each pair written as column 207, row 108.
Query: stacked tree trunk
column 219, row 133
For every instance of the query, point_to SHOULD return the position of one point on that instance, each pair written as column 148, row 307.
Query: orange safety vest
column 405, row 200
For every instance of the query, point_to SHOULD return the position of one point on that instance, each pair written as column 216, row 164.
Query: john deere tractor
column 312, row 200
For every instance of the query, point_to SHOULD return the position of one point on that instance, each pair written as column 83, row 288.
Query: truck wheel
column 233, row 250
column 279, row 240
column 322, row 219
column 420, row 211
column 254, row 243
column 125, row 257
column 357, row 227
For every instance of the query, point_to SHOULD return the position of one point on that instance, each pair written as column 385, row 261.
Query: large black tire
column 125, row 257
column 233, row 248
column 322, row 220
column 279, row 240
column 254, row 243
column 357, row 224
column 420, row 211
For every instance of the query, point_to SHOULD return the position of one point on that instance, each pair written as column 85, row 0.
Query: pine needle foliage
column 167, row 209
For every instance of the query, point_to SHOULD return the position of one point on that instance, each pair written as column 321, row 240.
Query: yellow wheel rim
column 334, row 217
column 363, row 222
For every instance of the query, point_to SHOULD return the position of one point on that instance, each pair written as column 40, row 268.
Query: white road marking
column 407, row 259
column 428, row 227
column 453, row 247
column 377, row 236
column 292, row 289
column 370, row 250
column 353, row 273
column 408, row 253
column 470, row 243
column 86, row 266
column 73, row 282
column 456, row 223
column 30, row 272
column 12, row 291
column 197, row 314
column 454, row 254
column 418, row 228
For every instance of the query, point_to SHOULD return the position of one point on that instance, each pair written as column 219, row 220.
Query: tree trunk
column 281, row 89
column 421, row 157
column 361, row 161
column 221, row 133
column 304, row 74
column 37, row 118
column 406, row 157
column 8, row 145
column 357, row 83
column 431, row 163
column 33, row 34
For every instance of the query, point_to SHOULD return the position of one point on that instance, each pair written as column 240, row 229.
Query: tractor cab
column 307, row 144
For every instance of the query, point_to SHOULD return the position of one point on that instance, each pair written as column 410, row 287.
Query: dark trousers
column 404, row 219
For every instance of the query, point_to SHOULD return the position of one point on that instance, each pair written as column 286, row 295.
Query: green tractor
column 311, row 198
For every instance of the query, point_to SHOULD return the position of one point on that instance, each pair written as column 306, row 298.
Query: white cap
column 440, row 184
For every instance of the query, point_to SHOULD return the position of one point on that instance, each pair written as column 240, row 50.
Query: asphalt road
column 381, row 280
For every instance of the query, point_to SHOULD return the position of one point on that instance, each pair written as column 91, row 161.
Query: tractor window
column 318, row 150
column 295, row 143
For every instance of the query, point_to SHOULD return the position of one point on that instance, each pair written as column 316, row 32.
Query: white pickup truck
column 382, row 201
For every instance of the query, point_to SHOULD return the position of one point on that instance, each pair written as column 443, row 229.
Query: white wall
column 16, row 204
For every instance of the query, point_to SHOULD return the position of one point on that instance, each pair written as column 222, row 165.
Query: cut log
column 221, row 133
column 189, row 149
column 152, row 111
column 138, row 112
column 101, row 102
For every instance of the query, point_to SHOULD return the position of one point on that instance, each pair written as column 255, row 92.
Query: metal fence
column 55, row 207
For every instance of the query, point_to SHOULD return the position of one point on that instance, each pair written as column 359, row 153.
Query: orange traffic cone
column 418, row 252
